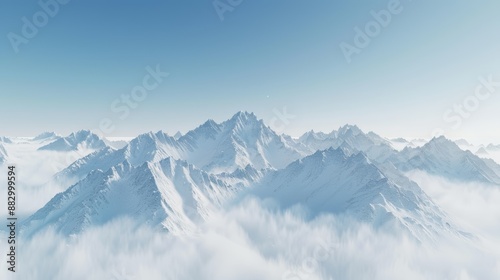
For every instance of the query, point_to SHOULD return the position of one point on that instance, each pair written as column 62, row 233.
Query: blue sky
column 264, row 56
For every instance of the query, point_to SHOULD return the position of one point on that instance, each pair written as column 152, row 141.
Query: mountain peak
column 312, row 135
column 352, row 129
column 82, row 133
column 209, row 125
column 44, row 135
column 5, row 140
column 177, row 135
column 243, row 117
column 81, row 139
column 441, row 141
column 3, row 154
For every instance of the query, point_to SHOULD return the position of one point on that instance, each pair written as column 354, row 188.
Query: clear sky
column 263, row 56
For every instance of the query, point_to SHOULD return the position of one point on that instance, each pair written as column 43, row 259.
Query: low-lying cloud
column 249, row 241
column 34, row 173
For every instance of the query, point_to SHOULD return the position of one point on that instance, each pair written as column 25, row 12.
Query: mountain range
column 174, row 182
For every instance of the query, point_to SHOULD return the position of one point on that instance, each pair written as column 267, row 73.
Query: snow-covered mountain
column 83, row 139
column 168, row 194
column 6, row 140
column 236, row 143
column 3, row 154
column 177, row 135
column 171, row 182
column 399, row 143
column 46, row 137
column 374, row 146
column 330, row 181
column 492, row 147
column 444, row 157
column 239, row 143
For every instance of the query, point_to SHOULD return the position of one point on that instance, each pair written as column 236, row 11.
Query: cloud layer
column 254, row 240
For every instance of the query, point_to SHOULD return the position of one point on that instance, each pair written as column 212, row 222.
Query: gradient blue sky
column 265, row 55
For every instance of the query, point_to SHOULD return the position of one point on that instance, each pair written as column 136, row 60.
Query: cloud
column 475, row 206
column 34, row 173
column 251, row 240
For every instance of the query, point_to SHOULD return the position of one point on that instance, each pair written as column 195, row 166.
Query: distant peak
column 462, row 142
column 148, row 136
column 330, row 153
column 209, row 122
column 400, row 140
column 244, row 116
column 354, row 129
column 44, row 135
column 178, row 135
column 209, row 125
column 242, row 119
column 493, row 147
column 161, row 134
column 441, row 141
column 482, row 150
column 84, row 133
column 311, row 134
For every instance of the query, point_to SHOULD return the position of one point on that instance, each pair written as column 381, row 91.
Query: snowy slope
column 6, row 140
column 3, row 154
column 168, row 194
column 216, row 148
column 83, row 139
column 332, row 182
column 151, row 147
column 443, row 157
column 102, row 159
column 171, row 182
column 148, row 147
column 374, row 146
column 46, row 137
column 236, row 143
column 399, row 143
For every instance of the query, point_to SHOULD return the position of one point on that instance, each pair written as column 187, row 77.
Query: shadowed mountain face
column 444, row 158
column 234, row 144
column 330, row 181
column 168, row 194
column 350, row 137
column 83, row 139
column 3, row 154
